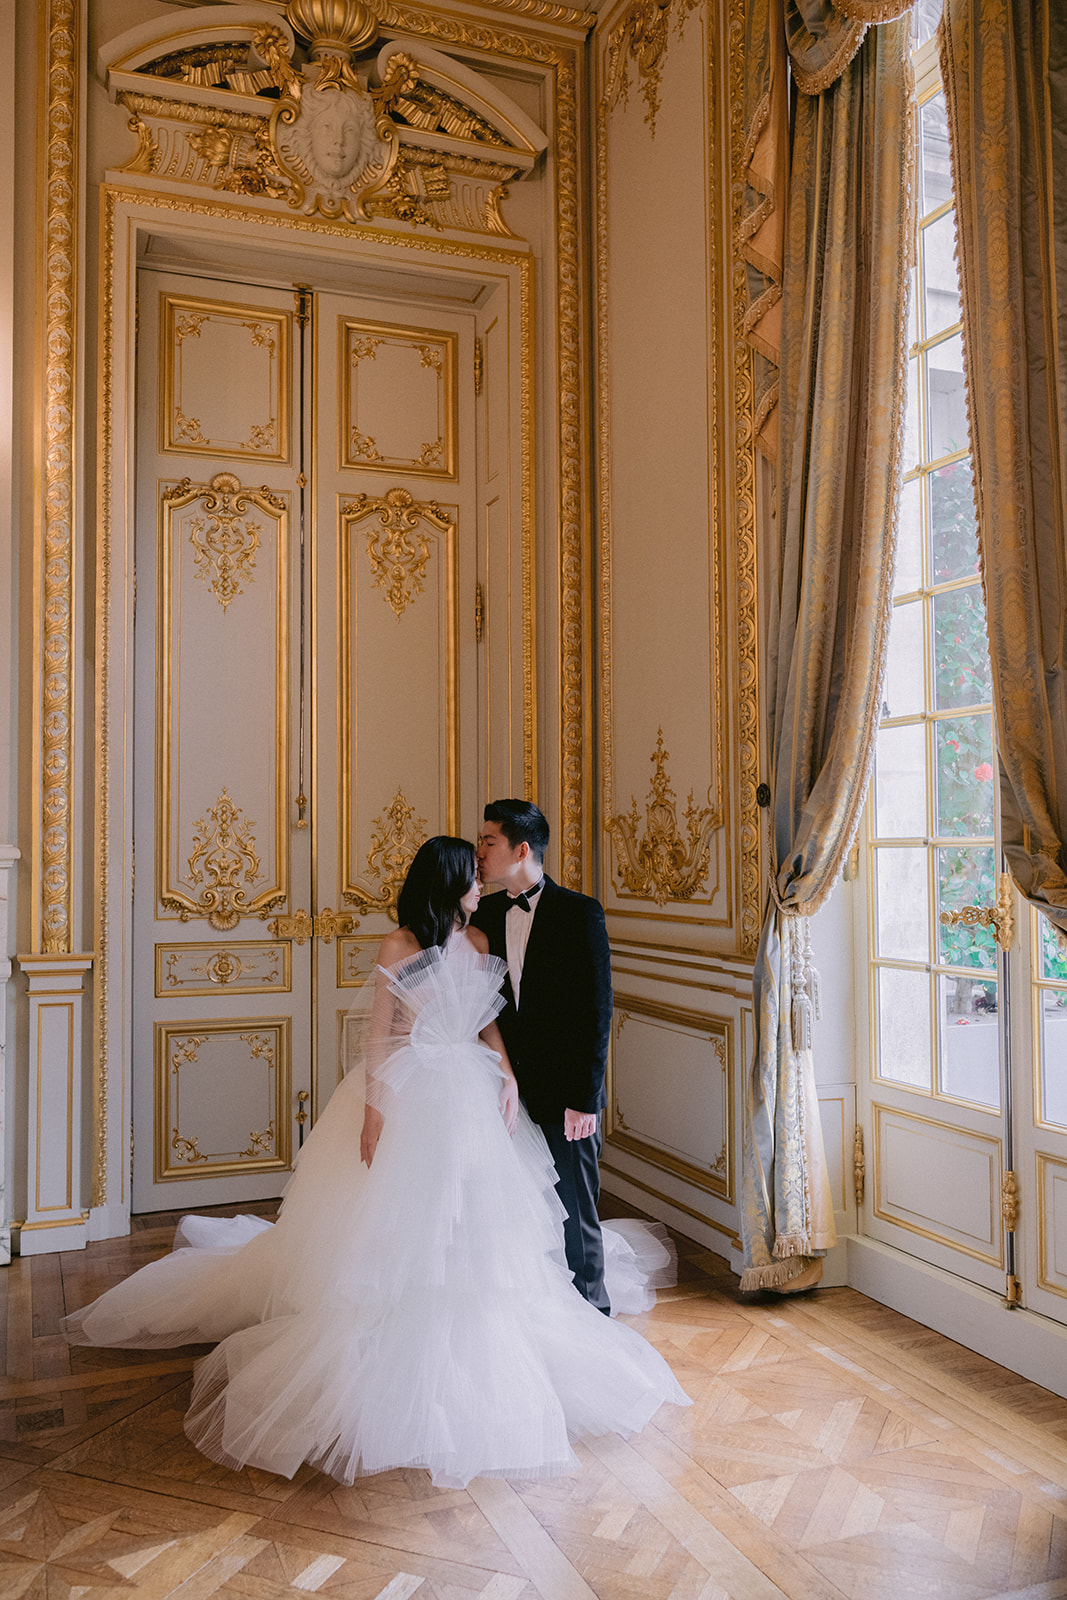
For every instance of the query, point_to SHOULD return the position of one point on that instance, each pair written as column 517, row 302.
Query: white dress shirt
column 517, row 925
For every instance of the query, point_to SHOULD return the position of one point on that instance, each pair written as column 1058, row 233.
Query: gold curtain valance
column 822, row 36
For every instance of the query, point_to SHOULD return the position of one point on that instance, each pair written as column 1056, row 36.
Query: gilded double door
column 312, row 657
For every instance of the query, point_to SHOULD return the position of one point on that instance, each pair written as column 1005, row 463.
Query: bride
column 411, row 1308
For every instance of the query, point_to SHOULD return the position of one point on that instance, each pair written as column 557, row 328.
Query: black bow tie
column 521, row 902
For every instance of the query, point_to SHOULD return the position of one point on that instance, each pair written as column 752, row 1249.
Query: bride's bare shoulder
column 478, row 939
column 397, row 946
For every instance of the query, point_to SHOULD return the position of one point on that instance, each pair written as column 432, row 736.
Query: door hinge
column 479, row 365
column 479, row 613
column 1009, row 1202
column 1013, row 1291
column 859, row 1166
column 1000, row 916
column 302, row 295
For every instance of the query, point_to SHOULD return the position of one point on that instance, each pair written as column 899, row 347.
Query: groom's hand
column 579, row 1124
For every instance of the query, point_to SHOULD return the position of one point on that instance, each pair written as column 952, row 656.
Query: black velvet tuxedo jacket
column 557, row 1039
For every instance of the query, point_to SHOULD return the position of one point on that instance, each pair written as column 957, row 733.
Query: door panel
column 218, row 1002
column 396, row 755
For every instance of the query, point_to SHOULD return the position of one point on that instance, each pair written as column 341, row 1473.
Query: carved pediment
column 244, row 99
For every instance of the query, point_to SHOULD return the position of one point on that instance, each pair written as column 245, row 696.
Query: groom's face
column 497, row 859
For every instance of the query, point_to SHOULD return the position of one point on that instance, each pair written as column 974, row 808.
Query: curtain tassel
column 807, row 1008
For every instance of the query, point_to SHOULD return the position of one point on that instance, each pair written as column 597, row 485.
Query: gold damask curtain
column 1004, row 65
column 847, row 251
column 814, row 41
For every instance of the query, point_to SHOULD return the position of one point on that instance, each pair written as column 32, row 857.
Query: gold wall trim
column 1045, row 1243
column 55, row 557
column 268, row 1039
column 439, row 352
column 743, row 541
column 223, row 835
column 238, row 966
column 182, row 318
column 719, row 1032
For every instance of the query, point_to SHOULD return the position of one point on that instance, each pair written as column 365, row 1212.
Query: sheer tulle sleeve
column 378, row 1026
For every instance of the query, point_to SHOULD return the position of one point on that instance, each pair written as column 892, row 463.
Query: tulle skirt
column 417, row 1314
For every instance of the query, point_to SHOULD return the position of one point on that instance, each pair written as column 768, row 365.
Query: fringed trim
column 781, row 1274
column 788, row 1245
column 813, row 83
column 873, row 12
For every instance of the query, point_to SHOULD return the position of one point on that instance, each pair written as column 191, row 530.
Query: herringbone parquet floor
column 834, row 1449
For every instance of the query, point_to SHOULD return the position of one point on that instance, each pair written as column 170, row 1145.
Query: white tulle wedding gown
column 417, row 1313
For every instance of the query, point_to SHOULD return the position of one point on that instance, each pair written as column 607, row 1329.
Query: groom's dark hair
column 521, row 823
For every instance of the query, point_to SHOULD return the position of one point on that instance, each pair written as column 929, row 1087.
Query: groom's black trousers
column 578, row 1186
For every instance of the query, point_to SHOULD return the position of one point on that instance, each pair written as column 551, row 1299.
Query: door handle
column 1000, row 916
column 301, row 926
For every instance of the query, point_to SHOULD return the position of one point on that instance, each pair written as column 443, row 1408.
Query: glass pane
column 962, row 675
column 1053, row 952
column 953, row 530
column 970, row 1041
column 903, row 928
column 905, row 678
column 904, row 1027
column 966, row 878
column 900, row 783
column 913, row 309
column 965, row 774
column 924, row 21
column 911, row 417
column 1054, row 1056
column 946, row 399
column 941, row 283
column 909, row 567
column 936, row 165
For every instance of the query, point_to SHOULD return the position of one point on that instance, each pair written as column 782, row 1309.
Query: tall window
column 935, row 987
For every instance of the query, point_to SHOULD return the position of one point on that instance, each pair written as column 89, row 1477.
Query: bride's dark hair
column 438, row 878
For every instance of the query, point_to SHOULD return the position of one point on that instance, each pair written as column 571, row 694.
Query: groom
column 557, row 1014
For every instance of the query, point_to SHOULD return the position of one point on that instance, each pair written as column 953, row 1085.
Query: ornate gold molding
column 396, row 837
column 54, row 556
column 661, row 865
column 224, row 851
column 744, row 544
column 641, row 36
column 224, row 551
column 398, row 559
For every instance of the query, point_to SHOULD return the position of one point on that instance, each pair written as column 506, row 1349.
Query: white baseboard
column 1023, row 1341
